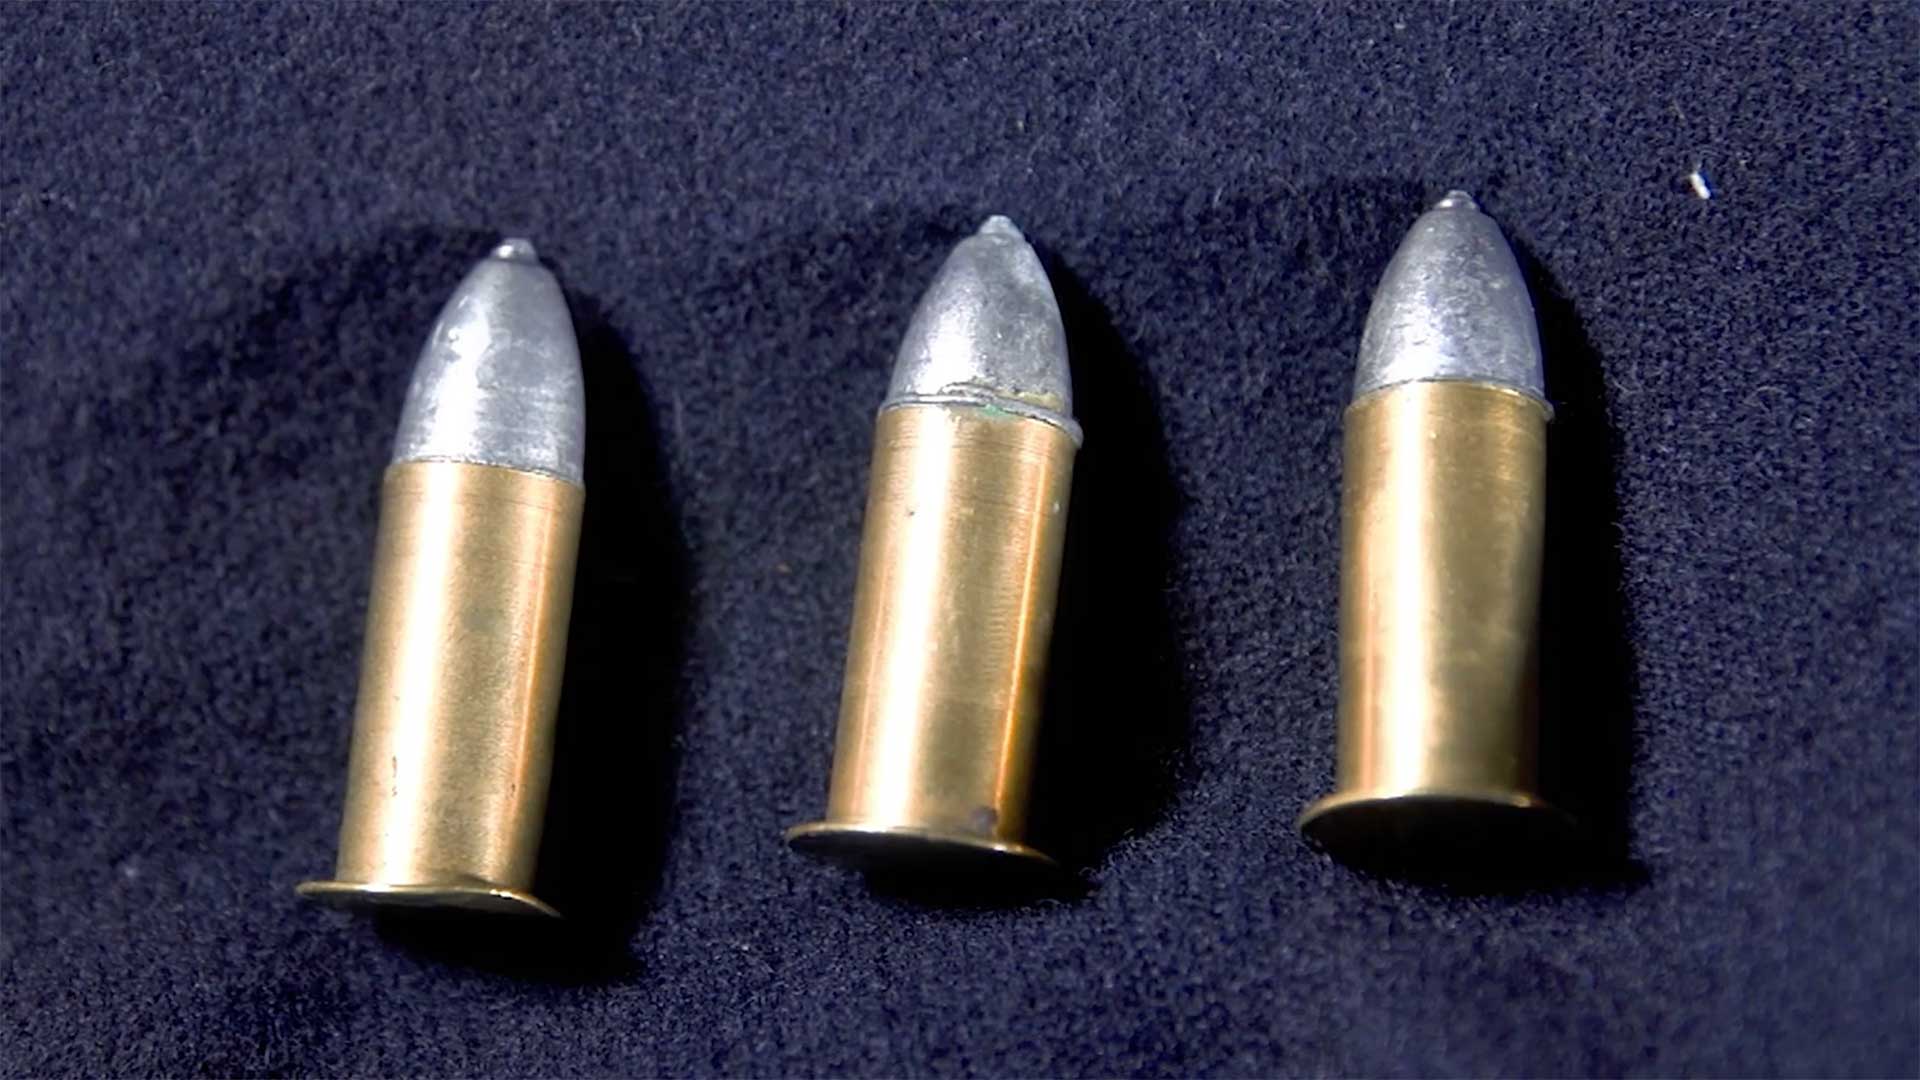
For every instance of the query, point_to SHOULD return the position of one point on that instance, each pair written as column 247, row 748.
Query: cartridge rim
column 1437, row 831
column 455, row 896
column 892, row 847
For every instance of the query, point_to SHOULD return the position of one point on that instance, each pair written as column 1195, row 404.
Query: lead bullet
column 1442, row 516
column 959, row 563
column 467, row 622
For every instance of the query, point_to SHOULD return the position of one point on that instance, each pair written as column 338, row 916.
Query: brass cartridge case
column 1442, row 519
column 953, row 612
column 460, row 680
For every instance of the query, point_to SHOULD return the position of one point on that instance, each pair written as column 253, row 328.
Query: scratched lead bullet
column 959, row 563
column 467, row 623
column 1442, row 517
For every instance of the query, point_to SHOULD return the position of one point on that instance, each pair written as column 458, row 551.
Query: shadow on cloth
column 1587, row 668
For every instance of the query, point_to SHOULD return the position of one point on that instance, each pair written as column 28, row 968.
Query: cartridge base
column 1438, row 831
column 477, row 896
column 898, row 847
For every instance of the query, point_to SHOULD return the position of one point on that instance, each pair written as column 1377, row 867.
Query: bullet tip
column 498, row 381
column 1452, row 305
column 988, row 332
column 517, row 249
column 1001, row 225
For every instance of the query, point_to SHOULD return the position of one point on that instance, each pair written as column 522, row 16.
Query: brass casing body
column 1443, row 513
column 459, row 684
column 952, row 615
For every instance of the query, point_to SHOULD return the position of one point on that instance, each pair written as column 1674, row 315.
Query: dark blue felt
column 227, row 229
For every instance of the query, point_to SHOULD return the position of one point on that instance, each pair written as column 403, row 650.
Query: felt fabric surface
column 228, row 229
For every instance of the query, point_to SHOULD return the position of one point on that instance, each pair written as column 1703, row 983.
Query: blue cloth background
column 226, row 231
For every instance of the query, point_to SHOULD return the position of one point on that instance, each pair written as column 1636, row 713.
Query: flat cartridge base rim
column 1436, row 831
column 896, row 847
column 459, row 896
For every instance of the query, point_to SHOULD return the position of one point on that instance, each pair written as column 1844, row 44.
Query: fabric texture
column 228, row 229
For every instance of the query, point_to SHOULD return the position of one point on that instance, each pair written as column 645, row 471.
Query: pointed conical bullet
column 988, row 332
column 959, row 565
column 498, row 382
column 1452, row 305
column 1442, row 523
column 467, row 622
